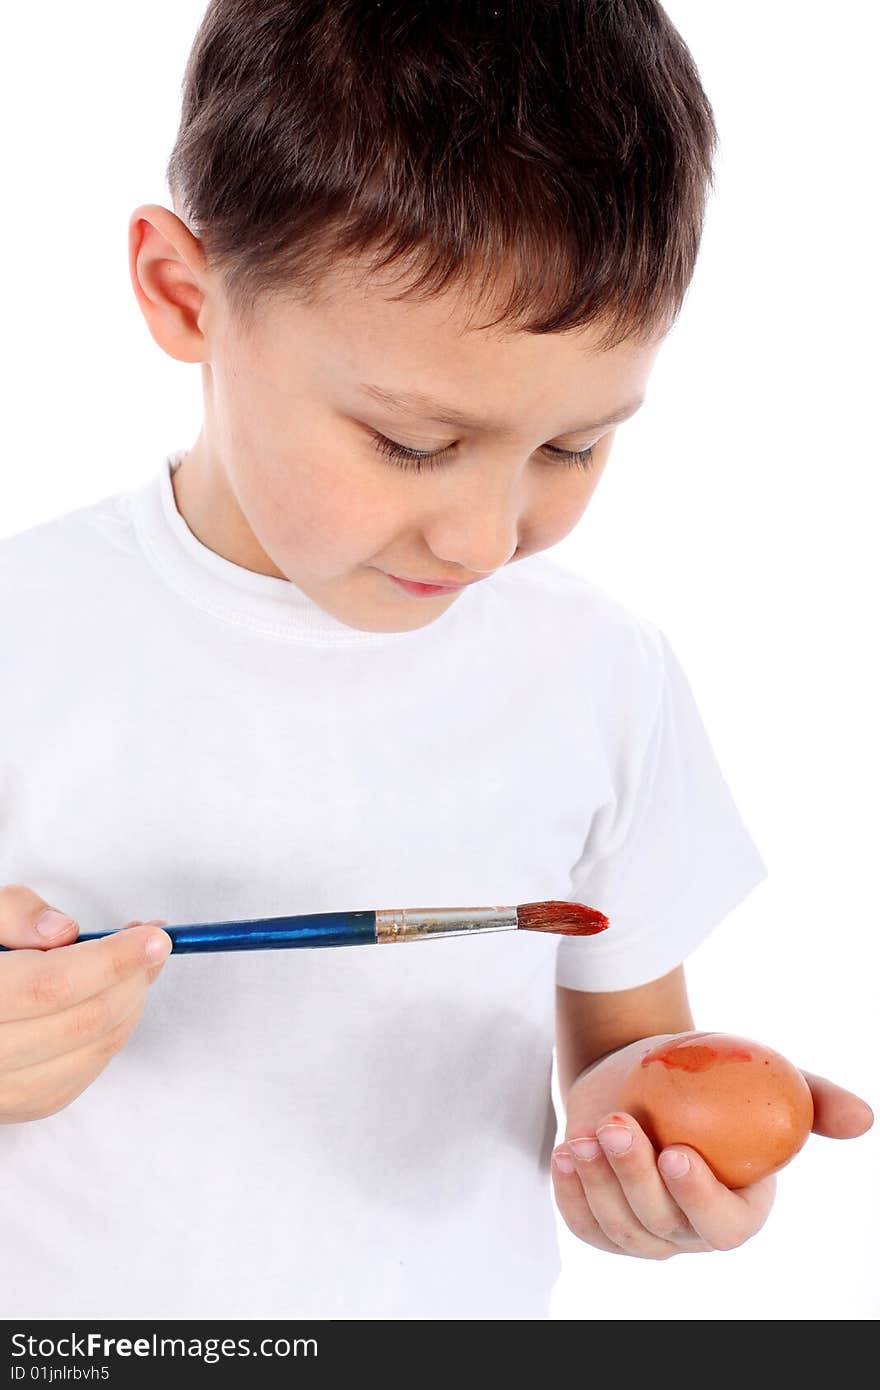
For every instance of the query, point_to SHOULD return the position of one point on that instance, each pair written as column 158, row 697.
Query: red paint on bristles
column 569, row 919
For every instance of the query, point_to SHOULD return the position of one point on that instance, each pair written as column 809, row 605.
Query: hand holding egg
column 672, row 1142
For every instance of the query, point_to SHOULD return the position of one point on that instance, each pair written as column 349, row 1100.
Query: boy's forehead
column 462, row 311
column 431, row 358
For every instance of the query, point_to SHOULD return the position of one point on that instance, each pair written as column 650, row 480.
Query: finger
column 837, row 1113
column 35, row 1092
column 156, row 970
column 29, row 1042
column 610, row 1208
column 27, row 920
column 35, row 984
column 572, row 1203
column 633, row 1160
column 723, row 1218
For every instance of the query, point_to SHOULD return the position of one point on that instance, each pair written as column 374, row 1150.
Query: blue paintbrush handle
column 267, row 933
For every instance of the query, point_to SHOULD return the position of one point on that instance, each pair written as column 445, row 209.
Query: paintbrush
column 379, row 927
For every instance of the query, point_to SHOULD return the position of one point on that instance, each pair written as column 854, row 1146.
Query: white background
column 738, row 512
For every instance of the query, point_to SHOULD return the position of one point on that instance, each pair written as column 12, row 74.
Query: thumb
column 837, row 1113
column 154, row 970
column 27, row 920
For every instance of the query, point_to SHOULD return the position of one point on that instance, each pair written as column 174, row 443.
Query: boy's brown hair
column 560, row 148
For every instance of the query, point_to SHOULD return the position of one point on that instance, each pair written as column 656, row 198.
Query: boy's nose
column 475, row 540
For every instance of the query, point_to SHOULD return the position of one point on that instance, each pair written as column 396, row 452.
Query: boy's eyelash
column 415, row 461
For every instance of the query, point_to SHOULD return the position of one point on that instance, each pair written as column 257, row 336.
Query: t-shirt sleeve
column 670, row 860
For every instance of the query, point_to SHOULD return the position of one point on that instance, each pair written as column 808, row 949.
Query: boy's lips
column 423, row 586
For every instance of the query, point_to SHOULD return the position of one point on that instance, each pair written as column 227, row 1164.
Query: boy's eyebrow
column 421, row 404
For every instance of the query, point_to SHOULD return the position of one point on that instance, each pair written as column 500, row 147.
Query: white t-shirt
column 357, row 1132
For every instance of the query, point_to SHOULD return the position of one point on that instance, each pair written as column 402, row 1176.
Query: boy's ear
column 167, row 267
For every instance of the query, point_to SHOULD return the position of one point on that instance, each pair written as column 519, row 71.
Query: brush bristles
column 568, row 919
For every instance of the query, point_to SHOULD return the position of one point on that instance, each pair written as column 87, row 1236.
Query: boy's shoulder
column 612, row 660
column 66, row 560
column 571, row 607
column 66, row 548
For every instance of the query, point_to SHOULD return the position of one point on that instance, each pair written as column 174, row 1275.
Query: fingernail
column 564, row 1162
column 673, row 1164
column 52, row 923
column 584, row 1148
column 156, row 948
column 617, row 1139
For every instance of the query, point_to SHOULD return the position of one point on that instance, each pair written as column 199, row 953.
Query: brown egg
column 742, row 1106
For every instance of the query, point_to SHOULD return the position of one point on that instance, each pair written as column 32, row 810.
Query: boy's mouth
column 420, row 590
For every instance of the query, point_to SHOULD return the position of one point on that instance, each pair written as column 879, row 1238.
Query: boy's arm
column 589, row 1026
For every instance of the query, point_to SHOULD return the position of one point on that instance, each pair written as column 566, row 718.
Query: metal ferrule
column 408, row 924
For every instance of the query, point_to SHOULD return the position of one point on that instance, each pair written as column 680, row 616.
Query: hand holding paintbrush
column 377, row 927
column 65, row 1011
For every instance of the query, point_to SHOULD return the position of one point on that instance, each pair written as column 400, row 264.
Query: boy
column 262, row 709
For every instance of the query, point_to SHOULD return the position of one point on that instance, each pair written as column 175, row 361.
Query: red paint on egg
column 696, row 1056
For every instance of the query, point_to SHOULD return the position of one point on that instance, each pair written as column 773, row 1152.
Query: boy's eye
column 417, row 461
